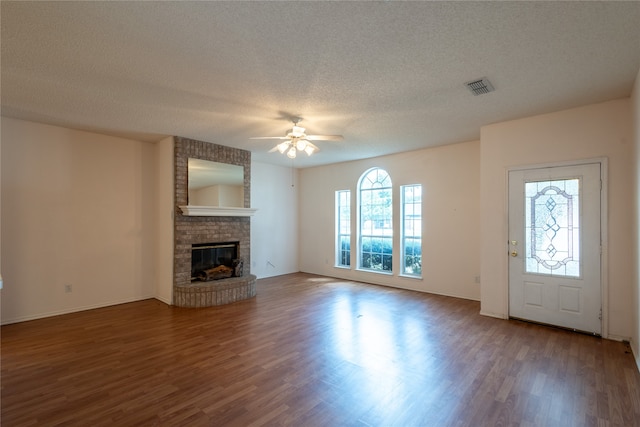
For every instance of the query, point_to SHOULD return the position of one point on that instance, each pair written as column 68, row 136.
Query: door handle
column 514, row 253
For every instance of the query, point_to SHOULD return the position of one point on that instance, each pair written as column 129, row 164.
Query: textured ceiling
column 389, row 76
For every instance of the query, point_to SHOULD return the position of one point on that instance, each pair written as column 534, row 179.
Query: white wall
column 1, row 282
column 450, row 180
column 164, row 210
column 635, row 108
column 78, row 209
column 274, row 227
column 600, row 130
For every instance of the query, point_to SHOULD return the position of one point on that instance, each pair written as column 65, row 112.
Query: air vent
column 481, row 86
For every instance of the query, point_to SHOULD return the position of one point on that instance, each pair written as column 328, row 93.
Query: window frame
column 340, row 235
column 403, row 229
column 385, row 253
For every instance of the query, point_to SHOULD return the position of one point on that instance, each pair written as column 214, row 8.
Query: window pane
column 552, row 233
column 343, row 228
column 411, row 242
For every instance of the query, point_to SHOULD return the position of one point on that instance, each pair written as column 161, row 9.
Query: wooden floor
column 311, row 351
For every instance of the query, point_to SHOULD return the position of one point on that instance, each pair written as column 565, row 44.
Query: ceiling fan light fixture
column 297, row 140
column 309, row 150
column 282, row 147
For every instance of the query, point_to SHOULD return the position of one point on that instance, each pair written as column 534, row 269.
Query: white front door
column 554, row 246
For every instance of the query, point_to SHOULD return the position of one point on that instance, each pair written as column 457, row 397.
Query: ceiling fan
column 296, row 140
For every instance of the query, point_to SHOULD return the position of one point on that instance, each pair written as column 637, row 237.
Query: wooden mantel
column 190, row 210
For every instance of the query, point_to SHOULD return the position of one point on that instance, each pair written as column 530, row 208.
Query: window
column 552, row 221
column 376, row 221
column 343, row 228
column 411, row 239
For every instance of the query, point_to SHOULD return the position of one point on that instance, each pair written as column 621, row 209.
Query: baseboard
column 495, row 315
column 613, row 337
column 374, row 281
column 164, row 300
column 71, row 310
column 635, row 356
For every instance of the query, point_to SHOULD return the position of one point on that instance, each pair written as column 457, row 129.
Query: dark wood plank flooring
column 311, row 351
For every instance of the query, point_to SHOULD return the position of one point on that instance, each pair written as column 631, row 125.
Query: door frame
column 604, row 231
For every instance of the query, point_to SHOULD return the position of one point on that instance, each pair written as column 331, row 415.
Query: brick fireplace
column 194, row 230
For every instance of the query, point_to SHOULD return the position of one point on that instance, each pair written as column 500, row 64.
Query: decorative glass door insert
column 552, row 227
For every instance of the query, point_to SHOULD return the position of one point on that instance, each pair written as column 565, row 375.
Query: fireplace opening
column 213, row 261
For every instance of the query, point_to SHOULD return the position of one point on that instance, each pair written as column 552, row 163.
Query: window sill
column 383, row 272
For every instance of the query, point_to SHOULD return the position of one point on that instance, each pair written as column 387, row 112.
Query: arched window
column 375, row 237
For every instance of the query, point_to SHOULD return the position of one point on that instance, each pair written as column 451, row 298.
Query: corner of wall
column 164, row 221
column 635, row 111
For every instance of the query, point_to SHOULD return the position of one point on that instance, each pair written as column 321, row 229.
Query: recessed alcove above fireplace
column 194, row 230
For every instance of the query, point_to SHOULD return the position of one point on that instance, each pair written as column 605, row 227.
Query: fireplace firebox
column 211, row 261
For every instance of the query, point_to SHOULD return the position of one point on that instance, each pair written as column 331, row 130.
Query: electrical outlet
column 68, row 288
column 477, row 279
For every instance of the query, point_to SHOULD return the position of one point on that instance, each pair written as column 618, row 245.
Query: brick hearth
column 216, row 292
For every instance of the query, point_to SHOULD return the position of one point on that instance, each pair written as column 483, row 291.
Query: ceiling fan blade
column 273, row 149
column 325, row 137
column 281, row 138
